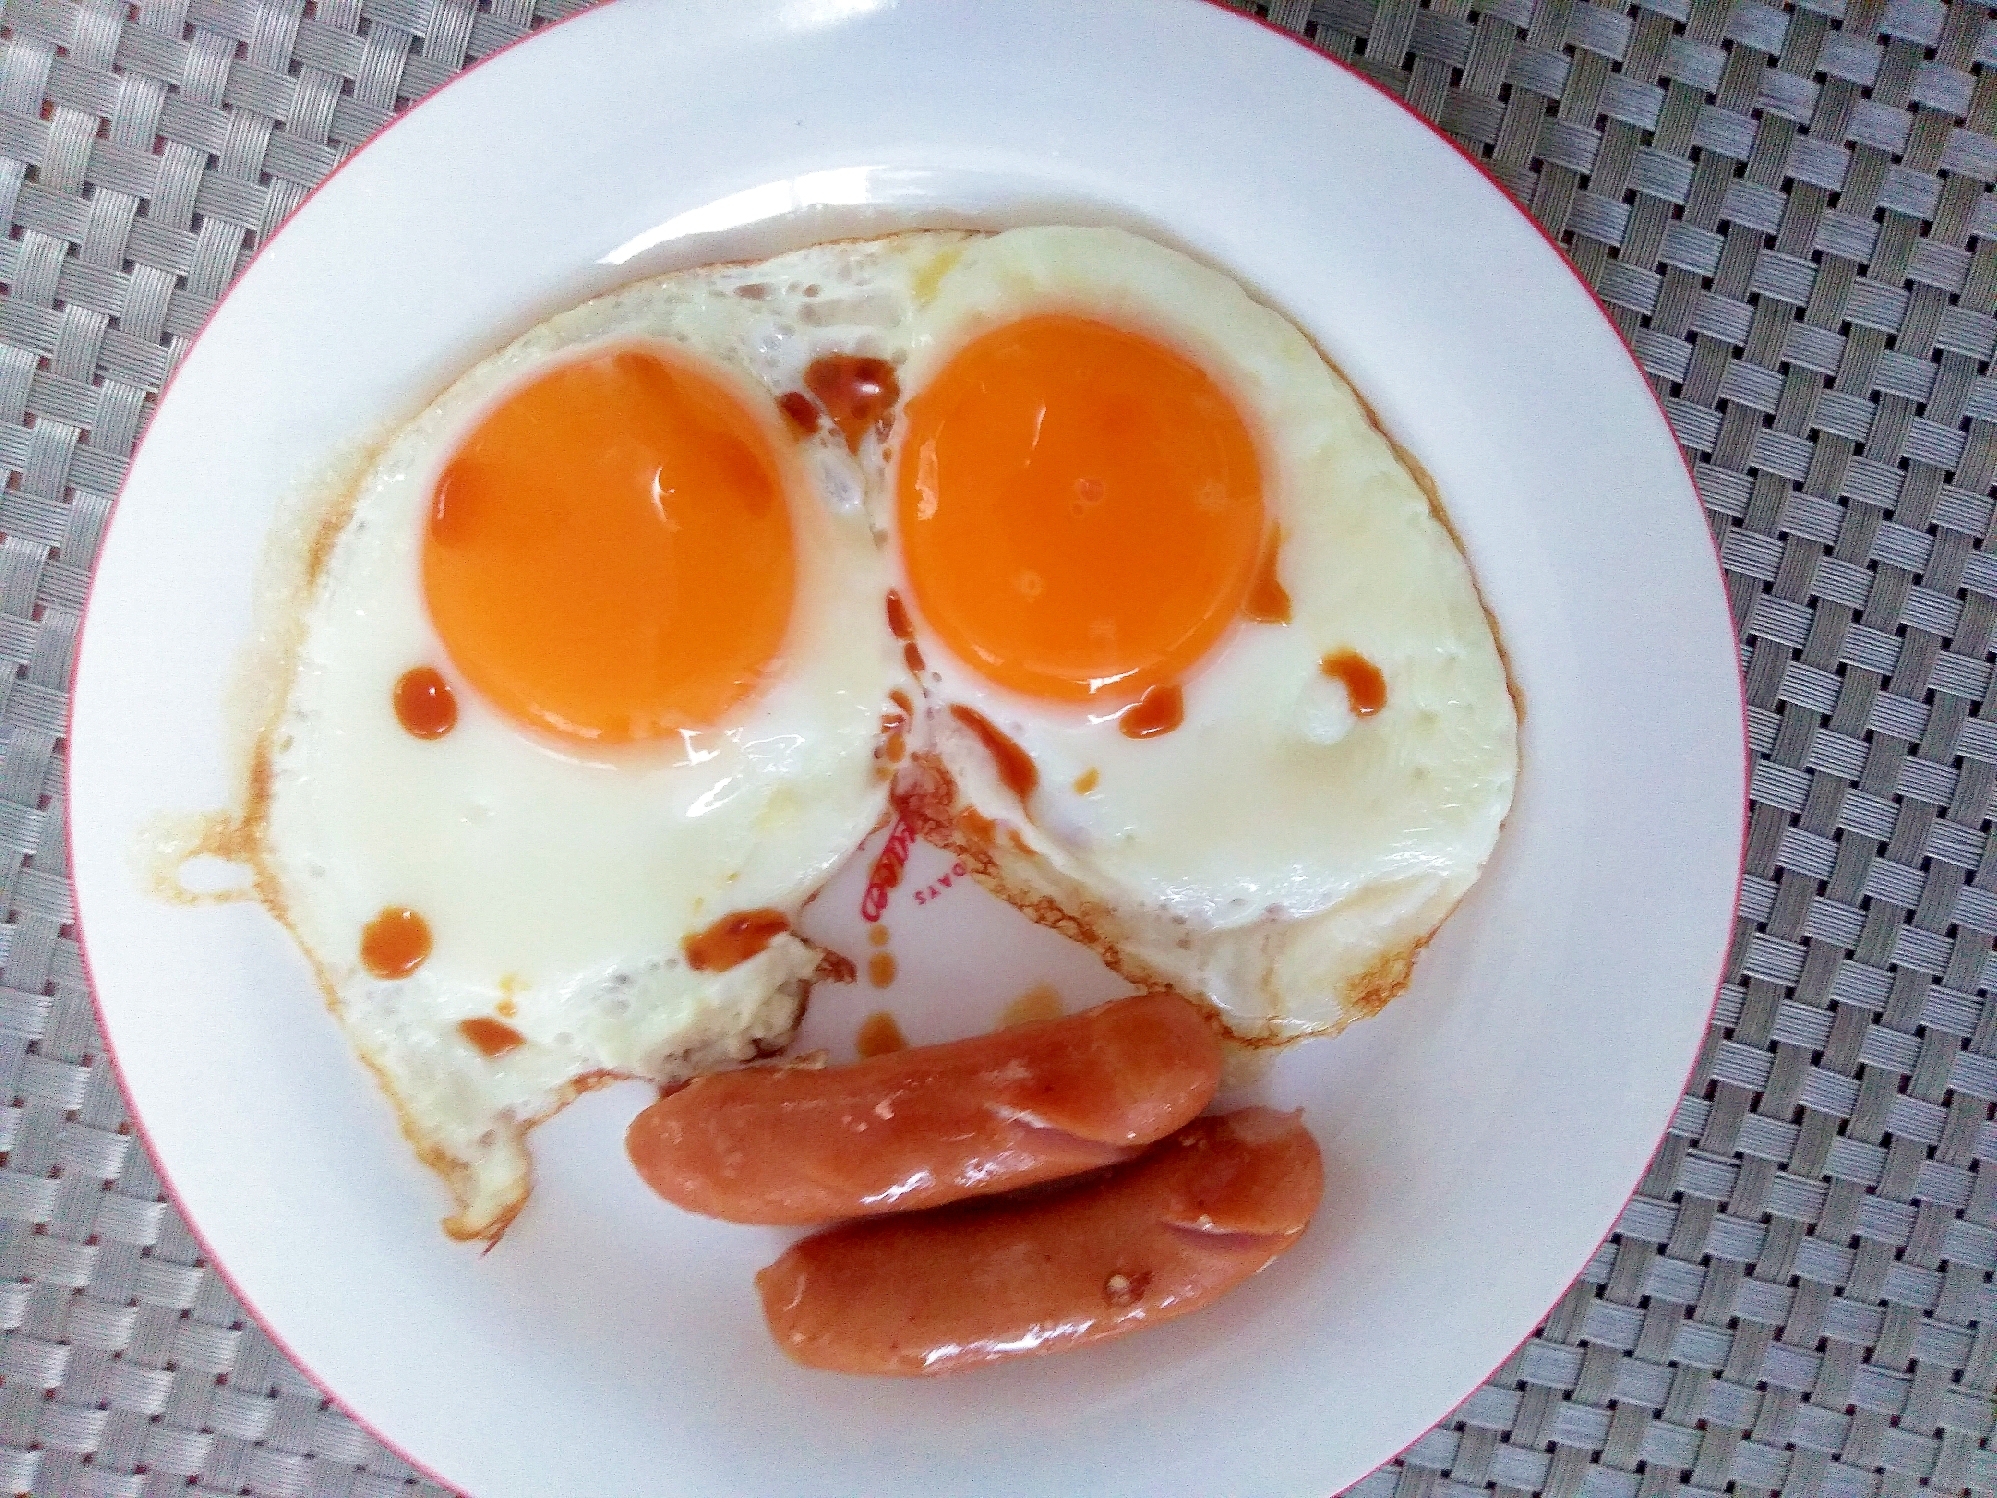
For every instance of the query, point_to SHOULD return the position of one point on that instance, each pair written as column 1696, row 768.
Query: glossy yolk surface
column 1080, row 508
column 609, row 555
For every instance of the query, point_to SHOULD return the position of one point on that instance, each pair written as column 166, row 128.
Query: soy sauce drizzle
column 490, row 1037
column 1365, row 687
column 799, row 412
column 733, row 940
column 1016, row 770
column 395, row 943
column 898, row 620
column 425, row 705
column 1268, row 601
column 1160, row 710
column 857, row 392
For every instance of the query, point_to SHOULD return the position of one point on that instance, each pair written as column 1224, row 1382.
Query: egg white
column 1276, row 853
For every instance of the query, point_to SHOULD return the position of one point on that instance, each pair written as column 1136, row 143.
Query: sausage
column 933, row 1292
column 917, row 1128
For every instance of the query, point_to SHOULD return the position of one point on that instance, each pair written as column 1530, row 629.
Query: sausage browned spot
column 932, row 1292
column 920, row 1127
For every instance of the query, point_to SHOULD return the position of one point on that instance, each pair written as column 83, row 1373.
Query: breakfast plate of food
column 850, row 747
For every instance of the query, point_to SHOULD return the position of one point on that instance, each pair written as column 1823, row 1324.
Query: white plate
column 1481, row 1135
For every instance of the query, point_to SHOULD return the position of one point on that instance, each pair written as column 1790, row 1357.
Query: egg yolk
column 609, row 554
column 1080, row 508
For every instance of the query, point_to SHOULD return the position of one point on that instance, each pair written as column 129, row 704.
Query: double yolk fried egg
column 1053, row 539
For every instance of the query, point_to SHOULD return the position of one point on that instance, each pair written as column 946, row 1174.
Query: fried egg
column 1207, row 682
column 586, row 702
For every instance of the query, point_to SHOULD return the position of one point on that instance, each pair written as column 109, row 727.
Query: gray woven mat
column 1788, row 213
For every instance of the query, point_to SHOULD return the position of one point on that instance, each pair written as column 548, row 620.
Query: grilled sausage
column 932, row 1292
column 920, row 1127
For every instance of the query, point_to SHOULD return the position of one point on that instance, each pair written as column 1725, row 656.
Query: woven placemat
column 1787, row 212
